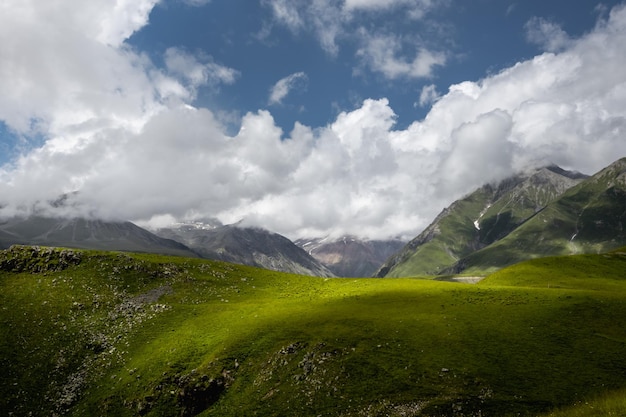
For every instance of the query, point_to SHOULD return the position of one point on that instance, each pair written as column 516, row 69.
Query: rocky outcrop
column 35, row 259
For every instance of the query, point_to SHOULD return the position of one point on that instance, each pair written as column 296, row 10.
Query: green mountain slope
column 476, row 221
column 588, row 218
column 95, row 333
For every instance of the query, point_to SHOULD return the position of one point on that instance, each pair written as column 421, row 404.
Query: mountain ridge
column 550, row 212
column 81, row 233
column 252, row 246
column 479, row 219
column 588, row 218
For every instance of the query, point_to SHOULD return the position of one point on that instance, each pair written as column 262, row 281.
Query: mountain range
column 86, row 234
column 545, row 212
column 541, row 212
column 247, row 246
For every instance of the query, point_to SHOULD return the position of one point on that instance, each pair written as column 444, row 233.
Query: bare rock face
column 247, row 246
column 349, row 256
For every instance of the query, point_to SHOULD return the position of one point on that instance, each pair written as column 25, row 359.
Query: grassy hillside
column 95, row 333
column 476, row 221
column 588, row 218
column 451, row 236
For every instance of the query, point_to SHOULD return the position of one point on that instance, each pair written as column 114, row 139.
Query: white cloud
column 196, row 3
column 416, row 8
column 547, row 34
column 63, row 64
column 370, row 4
column 428, row 96
column 121, row 134
column 186, row 66
column 333, row 22
column 280, row 90
column 287, row 12
column 382, row 53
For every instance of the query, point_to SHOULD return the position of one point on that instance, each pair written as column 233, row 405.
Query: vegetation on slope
column 95, row 333
column 588, row 218
column 476, row 221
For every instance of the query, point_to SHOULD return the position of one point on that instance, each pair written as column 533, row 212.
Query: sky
column 308, row 118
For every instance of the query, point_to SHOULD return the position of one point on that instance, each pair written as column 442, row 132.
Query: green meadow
column 86, row 333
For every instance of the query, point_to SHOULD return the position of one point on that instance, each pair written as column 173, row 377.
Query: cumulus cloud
column 63, row 64
column 119, row 147
column 280, row 90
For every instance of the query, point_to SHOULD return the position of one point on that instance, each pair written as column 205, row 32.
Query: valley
column 105, row 333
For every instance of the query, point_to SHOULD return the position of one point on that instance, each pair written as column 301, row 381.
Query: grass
column 453, row 240
column 587, row 218
column 122, row 334
column 608, row 404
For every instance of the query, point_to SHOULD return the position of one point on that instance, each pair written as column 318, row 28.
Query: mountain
column 476, row 221
column 349, row 256
column 587, row 218
column 246, row 246
column 86, row 234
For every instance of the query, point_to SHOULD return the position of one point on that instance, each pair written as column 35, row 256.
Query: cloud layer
column 124, row 142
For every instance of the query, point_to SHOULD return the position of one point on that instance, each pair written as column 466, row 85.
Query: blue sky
column 477, row 38
column 309, row 118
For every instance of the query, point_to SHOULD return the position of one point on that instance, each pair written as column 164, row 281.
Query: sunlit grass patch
column 153, row 335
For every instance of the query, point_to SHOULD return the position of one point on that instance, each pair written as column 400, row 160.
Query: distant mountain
column 246, row 246
column 476, row 221
column 349, row 256
column 86, row 234
column 588, row 218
